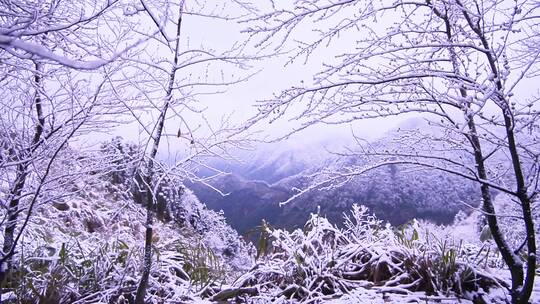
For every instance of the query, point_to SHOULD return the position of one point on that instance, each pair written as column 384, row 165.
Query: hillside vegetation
column 84, row 248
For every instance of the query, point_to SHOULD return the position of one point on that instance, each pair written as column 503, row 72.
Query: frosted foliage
column 323, row 262
column 86, row 247
column 364, row 227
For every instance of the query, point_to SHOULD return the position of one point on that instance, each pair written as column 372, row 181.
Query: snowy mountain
column 395, row 193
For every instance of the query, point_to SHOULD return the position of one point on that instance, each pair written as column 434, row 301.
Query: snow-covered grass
column 369, row 261
column 87, row 248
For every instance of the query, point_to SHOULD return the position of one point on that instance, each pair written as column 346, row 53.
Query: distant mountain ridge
column 394, row 193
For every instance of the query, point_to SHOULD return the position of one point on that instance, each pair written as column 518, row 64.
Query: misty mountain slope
column 275, row 168
column 246, row 202
column 273, row 162
column 396, row 193
column 396, row 198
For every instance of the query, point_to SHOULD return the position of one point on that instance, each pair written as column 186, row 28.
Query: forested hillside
column 395, row 193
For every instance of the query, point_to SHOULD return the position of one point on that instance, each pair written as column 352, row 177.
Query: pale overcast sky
column 274, row 76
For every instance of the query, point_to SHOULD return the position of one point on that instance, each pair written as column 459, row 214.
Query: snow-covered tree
column 62, row 62
column 39, row 119
column 57, row 58
column 80, row 34
column 162, row 89
column 465, row 65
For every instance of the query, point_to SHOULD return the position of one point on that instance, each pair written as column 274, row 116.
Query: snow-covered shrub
column 119, row 160
column 322, row 261
column 214, row 232
column 302, row 264
column 61, row 260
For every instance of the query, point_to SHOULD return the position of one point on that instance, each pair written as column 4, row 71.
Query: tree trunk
column 147, row 260
column 523, row 295
column 8, row 248
column 150, row 196
column 511, row 260
column 521, row 290
column 11, row 224
column 521, row 286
